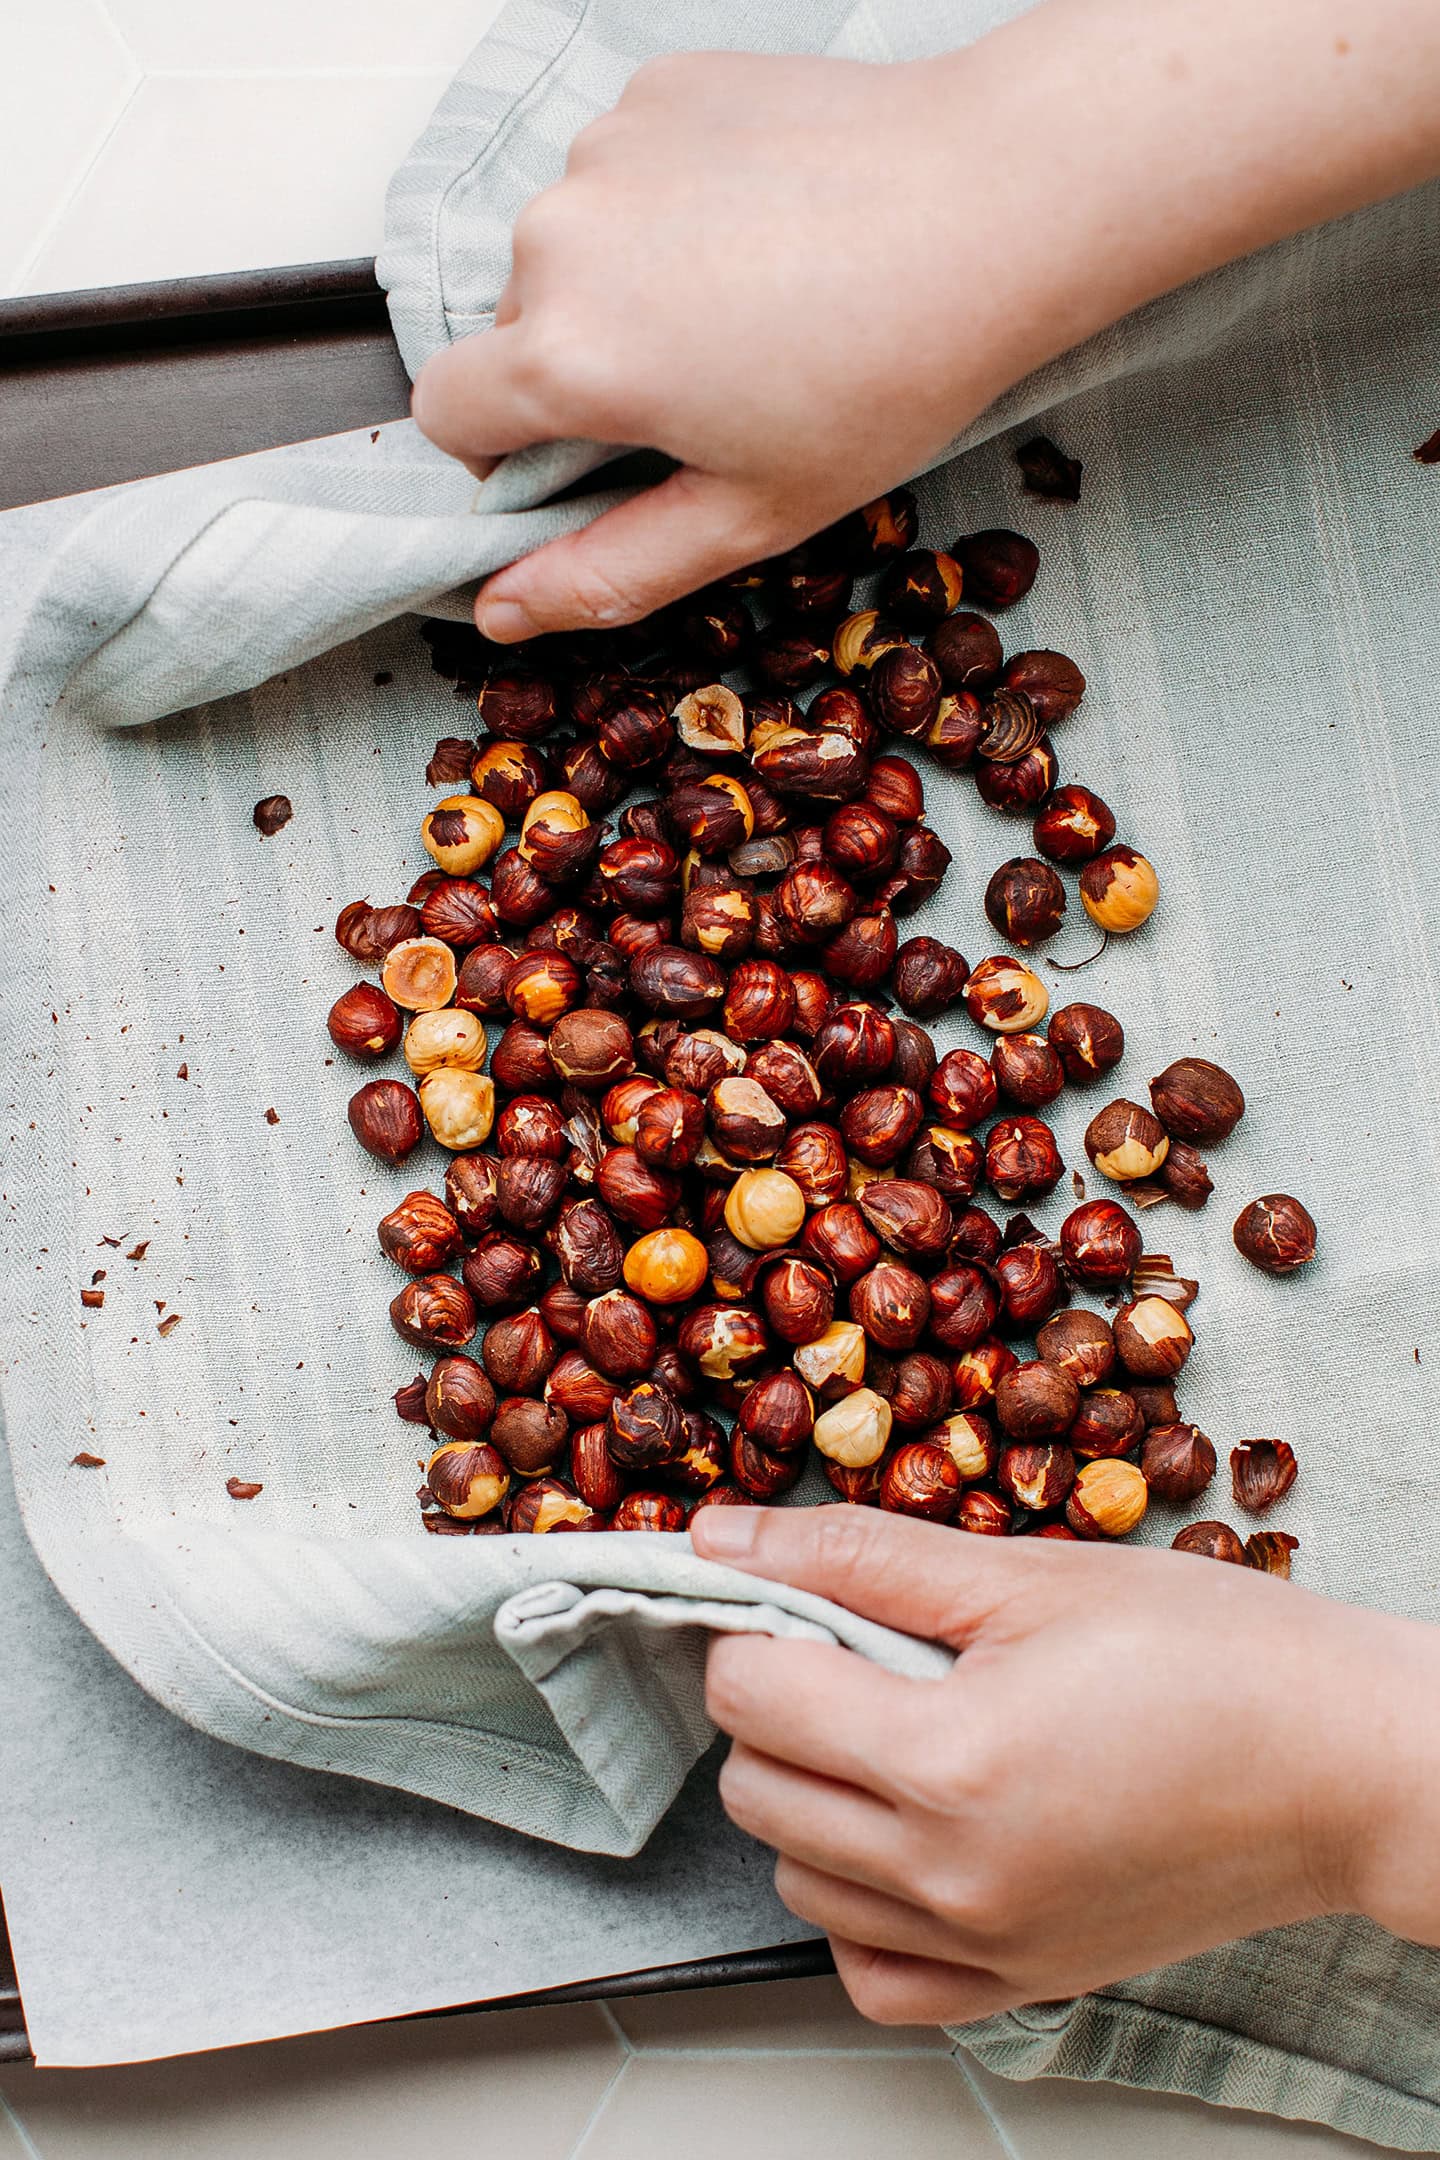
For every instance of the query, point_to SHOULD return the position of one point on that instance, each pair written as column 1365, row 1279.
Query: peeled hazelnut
column 1072, row 825
column 459, row 1106
column 1081, row 1344
column 998, row 566
column 977, row 1372
column 590, row 1049
column 1005, row 995
column 984, row 1514
column 963, row 1088
column 726, row 1342
column 1025, row 901
column 1036, row 1401
column 468, row 1478
column 892, row 1304
column 459, row 1400
column 1261, row 1472
column 519, row 1351
column 435, row 1313
column 1022, row 1159
column 1152, row 1337
column 667, row 1267
column 1119, row 890
column 363, row 1022
column 1099, row 1242
column 855, row 1431
column 446, row 1037
column 385, row 1118
column 1031, row 1286
column 502, row 1273
column 921, row 1480
column 1027, row 1070
column 1275, row 1234
column 969, row 1440
column 530, row 1435
column 764, row 1208
column 420, row 1234
column 834, row 1363
column 1178, row 1461
column 1212, row 1540
column 799, row 1300
column 839, row 1237
column 648, row 1511
column 879, row 1123
column 1125, row 1141
column 929, row 976
column 1108, row 1422
column 1036, row 1475
column 419, row 974
column 711, row 720
column 744, row 1123
column 1088, row 1040
column 461, row 833
column 1108, row 1499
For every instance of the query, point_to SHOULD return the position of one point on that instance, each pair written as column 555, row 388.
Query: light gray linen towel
column 1249, row 585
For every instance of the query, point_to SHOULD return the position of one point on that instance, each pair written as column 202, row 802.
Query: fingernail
column 503, row 620
column 727, row 1533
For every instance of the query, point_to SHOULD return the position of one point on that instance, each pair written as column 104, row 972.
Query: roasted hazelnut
column 905, row 689
column 744, row 1123
column 1011, row 728
column 541, row 986
column 787, row 1076
column 920, row 1479
column 515, row 701
column 1212, row 1540
column 677, row 984
column 667, row 1267
column 621, row 1106
column 959, row 727
column 1081, row 1344
column 863, row 953
column 929, row 976
column 458, row 911
column 631, row 1188
column 518, row 893
column 532, row 1125
column 1099, row 1242
column 814, row 901
column 809, row 586
column 518, row 1352
column 529, row 1188
column 509, row 775
column 467, row 1478
column 855, row 1431
column 420, row 1234
column 712, row 721
column 969, row 1441
column 364, row 1022
column 1006, row 996
column 1050, row 680
column 1195, row 1100
column 461, row 833
column 562, row 1308
column 557, row 840
column 711, row 815
column 502, row 1273
column 1275, row 1234
column 726, row 1342
column 860, row 841
column 998, row 567
column 634, row 731
column 920, row 871
column 791, row 655
column 921, row 588
column 820, row 766
column 576, row 1388
column 435, row 1313
column 799, row 1300
column 719, row 919
column 480, row 985
column 1017, row 784
column 840, row 1238
column 864, row 638
column 419, row 974
column 1185, row 1176
column 645, row 1428
column 1027, row 1070
column 814, row 1002
column 1088, row 1040
column 964, row 1306
column 705, row 1458
column 1030, row 1285
column 1108, row 1422
column 1152, row 1337
column 977, row 1237
column 1036, row 1401
column 1036, row 1474
column 919, row 1390
column 385, row 1118
column 1072, row 825
column 459, row 1106
column 1261, row 1472
column 764, row 1208
column 854, row 1047
column 895, row 789
column 618, row 1335
column 759, row 1002
column 1119, row 890
column 758, row 1472
column 530, row 1435
column 1177, row 1461
column 597, row 1477
column 448, row 1037
column 778, row 1412
column 591, row 1050
column 640, row 874
column 586, row 1242
column 472, row 1189
column 916, row 1057
column 695, row 1062
column 879, row 1123
column 834, row 1363
column 1108, row 1499
column 984, row 1514
column 859, row 1487
column 1025, row 901
column 1126, row 1141
column 911, row 1217
column 963, row 1089
column 459, row 1400
column 946, row 1159
column 892, row 1304
column 649, row 1511
column 1022, row 1159
column 546, row 1504
column 977, row 1372
column 875, row 533
column 813, row 1156
column 666, row 1130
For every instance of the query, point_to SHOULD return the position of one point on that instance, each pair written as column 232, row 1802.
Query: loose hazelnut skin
column 1152, row 1337
column 1275, row 1234
column 984, row 1514
column 1119, row 890
column 920, row 1480
column 1108, row 1499
column 468, row 1478
column 1108, row 1422
column 1036, row 1402
column 1195, row 1100
column 1027, row 1070
column 977, row 1372
column 1269, row 1551
column 929, row 977
column 764, row 1208
column 1036, row 1475
column 911, row 1217
column 667, row 1267
column 1261, row 1472
column 1100, row 1243
column 385, row 1118
column 502, row 1273
column 648, row 1511
column 964, row 1306
column 1088, row 1040
column 459, row 1106
column 1177, row 1462
column 879, row 1123
column 998, row 566
column 1073, row 824
column 1212, row 1540
column 1025, row 901
column 892, row 1304
column 1030, row 1285
column 799, row 1300
column 518, row 1352
column 434, row 1313
column 420, row 1234
column 778, row 1412
column 855, row 1431
column 1185, row 1176
column 1022, row 1159
column 1126, row 1141
column 530, row 1435
column 1004, row 995
column 963, row 1089
column 839, row 1237
column 364, row 1022
column 1081, row 1344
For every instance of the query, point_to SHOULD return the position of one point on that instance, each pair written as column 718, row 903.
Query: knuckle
column 844, row 1538
column 870, row 1983
column 726, row 1692
column 602, row 600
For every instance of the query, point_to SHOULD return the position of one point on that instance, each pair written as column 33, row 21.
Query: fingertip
column 503, row 621
column 726, row 1533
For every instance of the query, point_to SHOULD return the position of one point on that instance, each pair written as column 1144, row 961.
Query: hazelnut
column 905, row 689
column 705, row 1459
column 929, row 976
column 863, row 953
column 640, row 874
column 764, row 1208
column 458, row 911
column 977, row 1372
column 1016, row 785
column 468, row 1478
column 966, row 649
column 1036, row 1401
column 1081, row 1344
column 533, row 1126
column 790, row 655
column 557, row 839
column 459, row 1400
column 921, row 588
column 547, row 1504
column 563, row 1311
column 712, row 721
column 575, row 1387
column 502, row 1272
column 1108, row 1499
column 1072, row 825
column 635, row 731
column 420, row 1234
column 641, row 1196
column 518, row 893
column 1177, row 1461
column 977, row 1237
column 719, row 919
column 839, row 1237
column 1195, row 1100
column 590, row 1049
column 854, row 1046
column 509, row 775
column 855, row 1431
column 1022, row 1159
column 1155, row 1401
column 759, row 1473
column 1212, row 1540
column 862, row 639
column 1108, row 1422
column 352, row 930
column 787, row 1076
column 1025, row 901
column 744, row 1123
column 447, row 1037
column 695, row 1062
column 597, row 1477
column 916, row 1057
column 1099, row 1242
column 1051, row 681
column 919, row 1389
column 814, row 902
column 778, row 1412
column 861, row 841
column 963, row 1088
column 1087, row 1039
column 875, row 533
column 618, row 1335
column 920, row 1479
column 419, row 974
column 1119, row 890
column 911, row 1217
column 473, row 1191
column 958, row 729
column 964, row 1306
column 520, row 1062
column 461, row 833
column 648, row 1511
column 586, row 1243
column 814, row 1002
column 621, row 1107
column 1010, row 728
column 1027, row 1070
column 813, row 1156
column 1031, row 1286
column 1125, row 1141
column 998, row 567
column 515, row 701
column 1261, row 1472
column 984, row 1514
column 435, row 1313
column 892, row 1304
column 530, row 1435
column 459, row 1106
column 714, row 814
column 726, row 1342
column 1152, row 1337
column 385, row 1118
column 1006, row 996
column 668, row 1128
column 947, row 1160
column 1185, row 1177
column 879, row 1123
column 1275, row 1234
column 529, row 1189
column 541, row 986
column 667, row 1267
column 895, row 789
column 364, row 1022
column 857, row 1488
column 799, row 1300
column 834, row 1363
column 480, row 986
column 519, row 1351
column 969, row 1441
column 677, row 984
column 919, row 871
column 1036, row 1474
column 645, row 1428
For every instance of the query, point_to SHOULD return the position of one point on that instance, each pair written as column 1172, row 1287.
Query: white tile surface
column 1047, row 2118
column 64, row 80
column 302, row 33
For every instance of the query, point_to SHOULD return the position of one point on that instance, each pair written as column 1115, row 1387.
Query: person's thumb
column 655, row 548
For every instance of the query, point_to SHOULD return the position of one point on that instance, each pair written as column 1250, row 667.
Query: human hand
column 1137, row 1756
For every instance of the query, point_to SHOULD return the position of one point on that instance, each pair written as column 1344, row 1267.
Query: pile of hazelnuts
column 716, row 1163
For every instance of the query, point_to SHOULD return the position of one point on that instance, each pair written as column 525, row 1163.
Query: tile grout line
column 986, row 2105
column 408, row 71
column 52, row 224
column 791, row 2054
column 591, row 2120
column 8, row 2114
column 119, row 36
